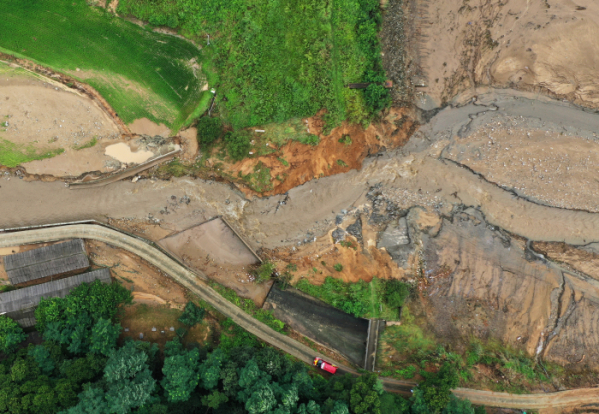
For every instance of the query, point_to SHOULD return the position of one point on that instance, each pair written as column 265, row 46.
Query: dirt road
column 573, row 398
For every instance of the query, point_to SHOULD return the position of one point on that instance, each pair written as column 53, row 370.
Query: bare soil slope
column 547, row 46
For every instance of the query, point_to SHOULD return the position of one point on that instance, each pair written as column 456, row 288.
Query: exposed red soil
column 308, row 162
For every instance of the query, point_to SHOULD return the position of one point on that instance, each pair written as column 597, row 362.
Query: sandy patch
column 47, row 115
column 148, row 283
column 122, row 152
column 213, row 239
column 144, row 126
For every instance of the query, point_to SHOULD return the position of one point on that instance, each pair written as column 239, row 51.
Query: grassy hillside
column 140, row 73
column 282, row 59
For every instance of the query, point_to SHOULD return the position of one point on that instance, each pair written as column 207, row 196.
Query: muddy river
column 460, row 157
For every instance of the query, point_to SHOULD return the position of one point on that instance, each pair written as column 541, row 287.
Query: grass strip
column 12, row 154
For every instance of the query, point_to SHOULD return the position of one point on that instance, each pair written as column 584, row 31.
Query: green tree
column 104, row 335
column 43, row 358
column 262, row 399
column 238, row 144
column 192, row 314
column 365, row 395
column 377, row 98
column 91, row 401
column 209, row 130
column 82, row 370
column 341, row 408
column 458, row 406
column 65, row 393
column 181, row 375
column 436, row 388
column 96, row 300
column 11, row 334
column 214, row 399
column 394, row 404
column 209, row 370
column 129, row 380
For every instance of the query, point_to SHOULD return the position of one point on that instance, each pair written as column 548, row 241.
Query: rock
column 395, row 235
column 355, row 229
column 339, row 219
column 396, row 240
column 338, row 235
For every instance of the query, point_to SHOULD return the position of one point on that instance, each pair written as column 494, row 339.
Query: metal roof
column 57, row 259
column 20, row 304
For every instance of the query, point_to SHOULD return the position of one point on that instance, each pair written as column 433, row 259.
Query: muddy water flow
column 421, row 173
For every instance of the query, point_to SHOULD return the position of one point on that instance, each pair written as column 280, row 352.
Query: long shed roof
column 56, row 259
column 20, row 304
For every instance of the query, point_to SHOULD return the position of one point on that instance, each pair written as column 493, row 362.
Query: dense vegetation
column 139, row 72
column 209, row 130
column 379, row 298
column 80, row 368
column 282, row 59
column 407, row 350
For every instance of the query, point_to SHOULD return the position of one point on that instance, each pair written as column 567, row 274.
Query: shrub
column 192, row 314
column 377, row 98
column 396, row 293
column 209, row 130
column 338, row 267
column 238, row 144
column 408, row 372
column 265, row 271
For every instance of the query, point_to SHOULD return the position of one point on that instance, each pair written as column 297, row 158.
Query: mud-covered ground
column 544, row 46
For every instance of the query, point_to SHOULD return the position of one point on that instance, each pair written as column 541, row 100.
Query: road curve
column 195, row 283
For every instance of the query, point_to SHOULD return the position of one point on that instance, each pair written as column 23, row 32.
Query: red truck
column 324, row 365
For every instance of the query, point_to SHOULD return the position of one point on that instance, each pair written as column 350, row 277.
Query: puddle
column 123, row 153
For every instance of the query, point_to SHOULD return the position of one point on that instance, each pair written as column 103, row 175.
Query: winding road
column 196, row 284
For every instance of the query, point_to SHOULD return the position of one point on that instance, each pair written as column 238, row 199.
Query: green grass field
column 281, row 59
column 139, row 72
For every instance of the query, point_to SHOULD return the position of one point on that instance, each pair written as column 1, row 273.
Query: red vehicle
column 324, row 365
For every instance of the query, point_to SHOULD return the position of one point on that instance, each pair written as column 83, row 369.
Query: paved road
column 194, row 282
